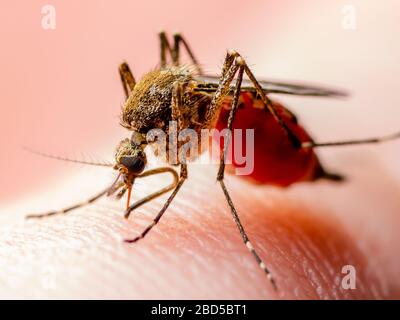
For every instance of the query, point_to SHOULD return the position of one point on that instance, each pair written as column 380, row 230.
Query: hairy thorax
column 149, row 104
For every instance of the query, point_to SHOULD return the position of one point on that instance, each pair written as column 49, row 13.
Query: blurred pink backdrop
column 61, row 93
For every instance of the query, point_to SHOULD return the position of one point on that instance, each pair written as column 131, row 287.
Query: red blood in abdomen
column 276, row 161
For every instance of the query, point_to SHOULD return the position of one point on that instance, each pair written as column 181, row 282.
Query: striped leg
column 127, row 79
column 240, row 67
column 245, row 238
column 175, row 51
column 312, row 144
column 76, row 206
column 234, row 62
column 183, row 176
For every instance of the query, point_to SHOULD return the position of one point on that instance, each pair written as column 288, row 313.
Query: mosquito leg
column 179, row 113
column 233, row 62
column 66, row 210
column 175, row 50
column 183, row 176
column 311, row 144
column 164, row 47
column 76, row 206
column 220, row 178
column 128, row 81
column 177, row 106
column 268, row 103
column 245, row 237
column 337, row 177
column 157, row 193
column 229, row 69
column 229, row 59
column 232, row 113
column 115, row 187
column 178, row 39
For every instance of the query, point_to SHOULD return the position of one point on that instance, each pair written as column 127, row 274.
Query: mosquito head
column 130, row 157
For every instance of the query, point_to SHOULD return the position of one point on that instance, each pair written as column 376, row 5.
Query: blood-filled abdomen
column 276, row 161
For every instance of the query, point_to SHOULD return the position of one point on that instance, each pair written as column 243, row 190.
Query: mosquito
column 284, row 151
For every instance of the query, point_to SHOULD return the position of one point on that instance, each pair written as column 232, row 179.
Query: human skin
column 196, row 251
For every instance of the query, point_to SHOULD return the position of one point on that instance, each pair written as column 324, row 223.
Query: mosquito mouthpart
column 128, row 198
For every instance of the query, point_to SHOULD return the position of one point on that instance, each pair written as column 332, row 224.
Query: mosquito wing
column 209, row 83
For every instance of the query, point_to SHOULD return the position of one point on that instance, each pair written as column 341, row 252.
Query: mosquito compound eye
column 133, row 164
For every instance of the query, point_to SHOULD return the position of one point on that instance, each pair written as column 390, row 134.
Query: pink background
column 61, row 94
